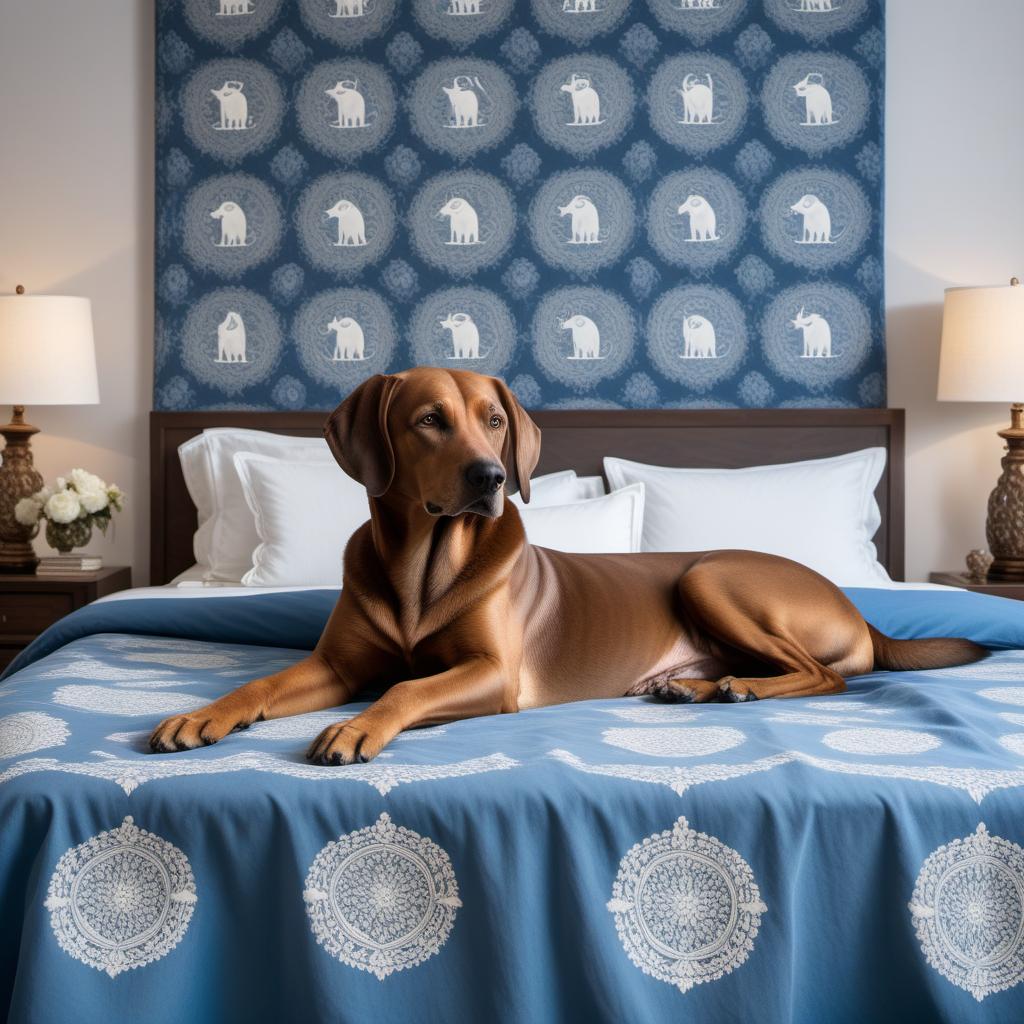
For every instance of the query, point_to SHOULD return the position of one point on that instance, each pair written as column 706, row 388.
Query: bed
column 849, row 859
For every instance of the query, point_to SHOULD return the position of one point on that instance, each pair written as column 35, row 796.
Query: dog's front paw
column 195, row 729
column 355, row 741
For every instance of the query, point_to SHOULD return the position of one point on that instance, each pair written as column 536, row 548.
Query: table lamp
column 47, row 357
column 982, row 360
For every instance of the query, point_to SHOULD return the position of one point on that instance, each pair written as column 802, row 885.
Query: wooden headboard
column 578, row 440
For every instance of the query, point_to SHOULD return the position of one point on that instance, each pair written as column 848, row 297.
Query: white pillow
column 821, row 512
column 560, row 489
column 606, row 525
column 303, row 513
column 195, row 467
column 226, row 536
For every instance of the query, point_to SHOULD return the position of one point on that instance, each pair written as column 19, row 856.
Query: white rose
column 27, row 511
column 42, row 496
column 60, row 484
column 115, row 496
column 93, row 500
column 63, row 507
column 83, row 481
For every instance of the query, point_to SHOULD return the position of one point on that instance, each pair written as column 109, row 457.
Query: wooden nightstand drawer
column 29, row 604
column 30, row 614
column 7, row 655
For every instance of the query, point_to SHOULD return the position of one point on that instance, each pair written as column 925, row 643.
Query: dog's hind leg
column 818, row 682
column 776, row 614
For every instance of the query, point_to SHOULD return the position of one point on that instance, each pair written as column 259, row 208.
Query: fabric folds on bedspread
column 849, row 859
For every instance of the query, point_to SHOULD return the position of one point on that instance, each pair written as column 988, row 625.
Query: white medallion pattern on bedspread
column 686, row 906
column 968, row 909
column 382, row 899
column 122, row 899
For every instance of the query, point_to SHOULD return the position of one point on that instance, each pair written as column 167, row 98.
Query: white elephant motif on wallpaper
column 351, row 225
column 231, row 339
column 465, row 336
column 463, row 222
column 351, row 105
column 580, row 7
column 699, row 340
column 348, row 9
column 234, row 108
column 465, row 102
column 817, row 100
column 586, row 103
column 703, row 220
column 817, row 335
column 230, row 8
column 817, row 221
column 699, row 5
column 349, row 340
column 586, row 338
column 698, row 100
column 814, row 6
column 232, row 225
column 585, row 220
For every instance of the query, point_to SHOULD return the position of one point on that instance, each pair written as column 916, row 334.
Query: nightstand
column 1014, row 591
column 28, row 604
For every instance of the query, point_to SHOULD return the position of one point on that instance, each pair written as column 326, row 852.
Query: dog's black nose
column 485, row 476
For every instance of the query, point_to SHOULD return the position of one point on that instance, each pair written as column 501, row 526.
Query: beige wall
column 954, row 211
column 76, row 217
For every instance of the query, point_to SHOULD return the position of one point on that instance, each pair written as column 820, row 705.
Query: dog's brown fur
column 446, row 604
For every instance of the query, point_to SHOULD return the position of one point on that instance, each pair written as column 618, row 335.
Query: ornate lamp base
column 1005, row 525
column 18, row 479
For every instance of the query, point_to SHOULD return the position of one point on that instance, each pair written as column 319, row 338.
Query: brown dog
column 446, row 603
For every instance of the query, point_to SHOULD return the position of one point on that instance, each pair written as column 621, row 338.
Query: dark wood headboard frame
column 578, row 440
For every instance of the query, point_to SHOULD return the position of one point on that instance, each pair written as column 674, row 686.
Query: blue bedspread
column 854, row 859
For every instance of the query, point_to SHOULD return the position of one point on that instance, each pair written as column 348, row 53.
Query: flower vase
column 65, row 537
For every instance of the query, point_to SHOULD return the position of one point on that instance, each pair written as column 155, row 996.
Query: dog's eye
column 430, row 420
column 496, row 422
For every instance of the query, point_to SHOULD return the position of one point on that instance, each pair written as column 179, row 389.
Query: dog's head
column 448, row 440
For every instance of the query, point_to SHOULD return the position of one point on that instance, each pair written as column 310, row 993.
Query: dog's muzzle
column 485, row 478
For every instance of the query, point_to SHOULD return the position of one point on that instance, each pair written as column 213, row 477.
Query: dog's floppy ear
column 522, row 444
column 357, row 433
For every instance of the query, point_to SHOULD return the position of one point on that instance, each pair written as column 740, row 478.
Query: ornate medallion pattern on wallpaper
column 633, row 203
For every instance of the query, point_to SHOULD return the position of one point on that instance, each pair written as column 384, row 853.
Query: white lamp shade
column 47, row 354
column 982, row 357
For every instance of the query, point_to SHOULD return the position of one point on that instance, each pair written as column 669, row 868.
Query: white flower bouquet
column 71, row 508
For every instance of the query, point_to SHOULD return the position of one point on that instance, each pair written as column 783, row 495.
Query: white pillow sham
column 305, row 511
column 226, row 537
column 610, row 524
column 821, row 512
column 195, row 468
column 303, row 514
column 560, row 489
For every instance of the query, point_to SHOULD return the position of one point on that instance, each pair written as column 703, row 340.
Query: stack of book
column 69, row 565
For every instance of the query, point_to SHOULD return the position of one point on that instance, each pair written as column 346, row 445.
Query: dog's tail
column 908, row 655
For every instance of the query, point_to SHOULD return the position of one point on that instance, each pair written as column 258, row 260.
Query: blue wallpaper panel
column 633, row 203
